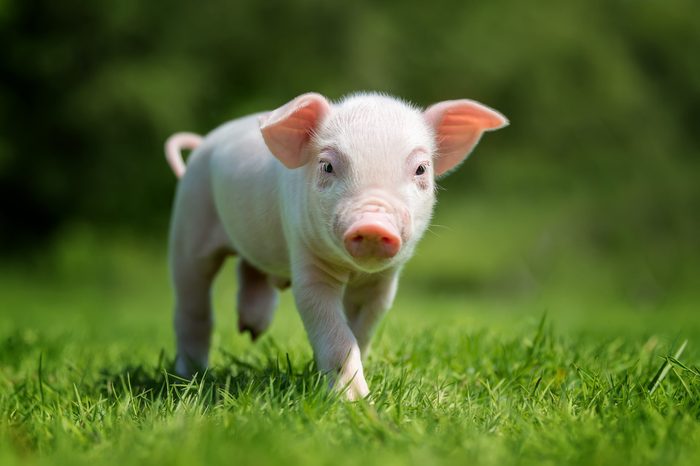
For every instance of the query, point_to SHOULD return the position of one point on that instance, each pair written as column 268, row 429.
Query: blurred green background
column 588, row 201
column 584, row 210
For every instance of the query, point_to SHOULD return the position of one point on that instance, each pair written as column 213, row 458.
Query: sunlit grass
column 538, row 347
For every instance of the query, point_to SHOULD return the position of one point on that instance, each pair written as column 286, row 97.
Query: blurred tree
column 609, row 90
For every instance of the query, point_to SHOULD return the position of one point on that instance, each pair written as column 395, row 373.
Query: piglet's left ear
column 458, row 125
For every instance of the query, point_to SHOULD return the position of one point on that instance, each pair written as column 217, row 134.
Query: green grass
column 541, row 347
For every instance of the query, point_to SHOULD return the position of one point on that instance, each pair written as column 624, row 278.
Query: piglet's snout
column 372, row 237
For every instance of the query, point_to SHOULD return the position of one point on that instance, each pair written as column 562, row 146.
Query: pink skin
column 372, row 237
column 173, row 150
column 331, row 198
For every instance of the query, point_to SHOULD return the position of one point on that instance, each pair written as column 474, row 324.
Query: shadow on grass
column 236, row 379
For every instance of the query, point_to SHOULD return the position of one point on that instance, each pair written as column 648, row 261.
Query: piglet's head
column 368, row 164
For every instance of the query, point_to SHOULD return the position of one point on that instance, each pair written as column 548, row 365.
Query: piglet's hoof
column 243, row 328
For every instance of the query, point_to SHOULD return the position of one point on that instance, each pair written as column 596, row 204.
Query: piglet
column 331, row 198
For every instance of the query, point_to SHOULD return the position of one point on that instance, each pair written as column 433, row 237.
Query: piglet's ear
column 287, row 130
column 458, row 125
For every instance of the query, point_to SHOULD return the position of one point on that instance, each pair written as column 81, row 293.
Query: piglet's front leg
column 318, row 297
column 367, row 298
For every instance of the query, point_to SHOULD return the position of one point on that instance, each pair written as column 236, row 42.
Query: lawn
column 520, row 335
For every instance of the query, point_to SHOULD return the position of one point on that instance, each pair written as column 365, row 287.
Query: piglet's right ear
column 287, row 130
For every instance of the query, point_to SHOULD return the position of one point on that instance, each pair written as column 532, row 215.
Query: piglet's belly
column 262, row 246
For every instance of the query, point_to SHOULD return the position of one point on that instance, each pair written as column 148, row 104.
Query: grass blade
column 664, row 369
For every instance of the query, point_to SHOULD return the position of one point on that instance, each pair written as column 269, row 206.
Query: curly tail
column 173, row 150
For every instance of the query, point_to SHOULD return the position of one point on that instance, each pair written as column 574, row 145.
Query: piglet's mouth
column 372, row 237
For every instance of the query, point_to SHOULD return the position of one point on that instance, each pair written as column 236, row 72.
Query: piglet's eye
column 420, row 170
column 326, row 167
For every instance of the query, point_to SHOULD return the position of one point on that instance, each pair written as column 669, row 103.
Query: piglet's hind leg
column 198, row 246
column 193, row 311
column 257, row 300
